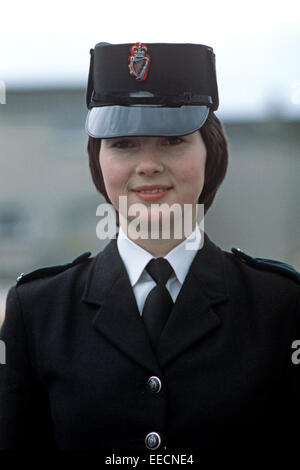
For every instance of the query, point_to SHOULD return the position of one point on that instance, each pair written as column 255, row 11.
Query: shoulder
column 50, row 271
column 267, row 284
column 46, row 293
column 280, row 268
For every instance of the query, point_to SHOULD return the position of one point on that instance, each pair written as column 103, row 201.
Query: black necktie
column 159, row 303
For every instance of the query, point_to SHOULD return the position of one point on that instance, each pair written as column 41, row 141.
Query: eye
column 174, row 140
column 121, row 144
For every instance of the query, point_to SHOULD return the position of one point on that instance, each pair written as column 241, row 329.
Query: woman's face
column 177, row 163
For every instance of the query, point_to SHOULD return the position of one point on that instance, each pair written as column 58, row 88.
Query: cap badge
column 139, row 61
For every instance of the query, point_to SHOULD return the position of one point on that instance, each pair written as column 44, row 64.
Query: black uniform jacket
column 78, row 358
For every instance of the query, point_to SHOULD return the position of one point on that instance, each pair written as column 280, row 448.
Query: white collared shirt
column 136, row 259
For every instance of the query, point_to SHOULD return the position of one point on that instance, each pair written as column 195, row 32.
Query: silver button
column 154, row 384
column 152, row 440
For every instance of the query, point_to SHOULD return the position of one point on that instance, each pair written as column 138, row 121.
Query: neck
column 159, row 246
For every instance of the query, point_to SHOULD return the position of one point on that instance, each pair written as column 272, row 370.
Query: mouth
column 152, row 192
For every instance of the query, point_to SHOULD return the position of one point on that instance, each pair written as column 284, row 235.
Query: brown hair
column 216, row 143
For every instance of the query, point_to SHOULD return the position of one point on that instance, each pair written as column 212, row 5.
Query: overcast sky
column 257, row 44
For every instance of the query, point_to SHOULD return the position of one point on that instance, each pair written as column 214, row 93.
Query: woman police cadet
column 150, row 345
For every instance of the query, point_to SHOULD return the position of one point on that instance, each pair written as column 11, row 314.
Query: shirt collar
column 180, row 258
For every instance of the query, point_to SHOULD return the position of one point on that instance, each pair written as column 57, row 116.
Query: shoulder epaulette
column 44, row 272
column 268, row 264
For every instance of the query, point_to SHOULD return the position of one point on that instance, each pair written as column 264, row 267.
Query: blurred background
column 47, row 198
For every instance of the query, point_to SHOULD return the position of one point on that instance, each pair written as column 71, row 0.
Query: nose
column 149, row 163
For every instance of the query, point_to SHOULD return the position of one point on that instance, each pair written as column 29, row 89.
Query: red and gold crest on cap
column 139, row 61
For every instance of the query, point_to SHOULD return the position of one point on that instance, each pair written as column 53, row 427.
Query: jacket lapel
column 118, row 318
column 193, row 315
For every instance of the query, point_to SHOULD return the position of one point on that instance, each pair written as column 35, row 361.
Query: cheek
column 191, row 171
column 115, row 177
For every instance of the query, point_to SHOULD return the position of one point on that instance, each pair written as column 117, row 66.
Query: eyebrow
column 111, row 139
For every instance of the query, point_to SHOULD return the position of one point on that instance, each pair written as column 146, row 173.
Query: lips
column 151, row 187
column 152, row 192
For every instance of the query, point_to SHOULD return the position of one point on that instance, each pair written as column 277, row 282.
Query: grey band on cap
column 144, row 120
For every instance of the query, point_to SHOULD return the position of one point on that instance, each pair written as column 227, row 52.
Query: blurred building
column 48, row 201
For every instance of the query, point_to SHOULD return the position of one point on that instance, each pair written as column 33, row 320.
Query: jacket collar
column 193, row 315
